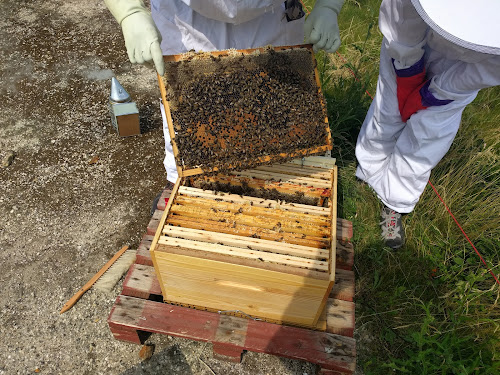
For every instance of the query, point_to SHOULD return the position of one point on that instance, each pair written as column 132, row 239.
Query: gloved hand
column 420, row 98
column 321, row 27
column 142, row 38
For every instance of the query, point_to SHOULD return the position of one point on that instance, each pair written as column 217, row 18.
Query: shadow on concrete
column 171, row 360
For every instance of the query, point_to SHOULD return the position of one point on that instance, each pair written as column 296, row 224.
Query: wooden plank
column 346, row 229
column 141, row 282
column 255, row 292
column 170, row 123
column 257, row 202
column 343, row 288
column 329, row 350
column 333, row 215
column 344, row 255
column 297, row 170
column 165, row 195
column 340, row 317
column 259, row 222
column 124, row 319
column 249, row 209
column 315, row 161
column 246, row 242
column 259, row 184
column 143, row 256
column 283, row 178
column 131, row 315
column 159, row 233
column 138, row 281
column 332, row 258
column 154, row 222
column 244, row 262
column 249, row 231
column 143, row 315
column 227, row 353
column 256, row 255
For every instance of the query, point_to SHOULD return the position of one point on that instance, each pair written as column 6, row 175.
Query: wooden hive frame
column 248, row 256
column 183, row 172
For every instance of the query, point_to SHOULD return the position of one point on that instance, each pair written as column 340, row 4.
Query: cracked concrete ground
column 63, row 217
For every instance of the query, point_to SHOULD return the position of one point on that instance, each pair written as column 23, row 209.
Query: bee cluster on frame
column 232, row 109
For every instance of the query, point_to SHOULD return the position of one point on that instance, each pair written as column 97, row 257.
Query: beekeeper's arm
column 321, row 28
column 142, row 38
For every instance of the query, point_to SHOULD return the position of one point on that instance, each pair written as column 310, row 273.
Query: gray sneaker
column 392, row 228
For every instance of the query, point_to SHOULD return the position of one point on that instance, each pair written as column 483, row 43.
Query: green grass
column 430, row 308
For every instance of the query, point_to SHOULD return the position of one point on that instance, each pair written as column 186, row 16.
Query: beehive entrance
column 238, row 109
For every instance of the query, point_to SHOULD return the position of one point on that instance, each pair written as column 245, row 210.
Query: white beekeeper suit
column 456, row 46
column 177, row 26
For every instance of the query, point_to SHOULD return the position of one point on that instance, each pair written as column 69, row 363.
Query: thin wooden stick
column 68, row 305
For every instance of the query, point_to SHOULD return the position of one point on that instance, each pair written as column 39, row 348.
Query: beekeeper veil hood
column 470, row 24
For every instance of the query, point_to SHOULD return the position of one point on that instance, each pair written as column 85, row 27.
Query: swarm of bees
column 230, row 110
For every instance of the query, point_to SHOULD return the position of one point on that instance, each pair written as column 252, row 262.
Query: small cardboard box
column 125, row 118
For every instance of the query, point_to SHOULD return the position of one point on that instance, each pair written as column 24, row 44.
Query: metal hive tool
column 237, row 109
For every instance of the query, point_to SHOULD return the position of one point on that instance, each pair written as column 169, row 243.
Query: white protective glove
column 142, row 38
column 321, row 28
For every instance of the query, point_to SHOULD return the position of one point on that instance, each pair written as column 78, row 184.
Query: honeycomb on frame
column 236, row 109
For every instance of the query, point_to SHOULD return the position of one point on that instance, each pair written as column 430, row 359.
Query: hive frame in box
column 262, row 159
column 315, row 292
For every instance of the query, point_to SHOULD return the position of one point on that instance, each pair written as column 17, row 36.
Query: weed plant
column 430, row 307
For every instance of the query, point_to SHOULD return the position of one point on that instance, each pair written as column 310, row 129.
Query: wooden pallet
column 139, row 311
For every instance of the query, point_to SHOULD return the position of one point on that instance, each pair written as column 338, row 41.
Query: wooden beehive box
column 270, row 259
column 257, row 243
